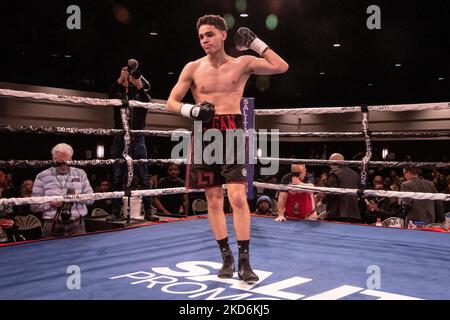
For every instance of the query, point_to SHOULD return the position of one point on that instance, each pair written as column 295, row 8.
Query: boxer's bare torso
column 221, row 83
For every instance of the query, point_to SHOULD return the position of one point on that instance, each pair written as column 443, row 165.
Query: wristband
column 258, row 46
column 186, row 110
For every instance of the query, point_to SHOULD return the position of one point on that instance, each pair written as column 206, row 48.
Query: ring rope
column 158, row 192
column 169, row 133
column 125, row 116
column 355, row 192
column 79, row 100
column 82, row 163
column 368, row 155
column 334, row 110
column 260, row 112
column 374, row 134
column 263, row 160
column 89, row 131
column 357, row 163
column 95, row 196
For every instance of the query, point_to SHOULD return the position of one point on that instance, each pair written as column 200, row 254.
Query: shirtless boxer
column 217, row 83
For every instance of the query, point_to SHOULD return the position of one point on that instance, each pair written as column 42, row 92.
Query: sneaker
column 151, row 217
column 227, row 269
column 245, row 271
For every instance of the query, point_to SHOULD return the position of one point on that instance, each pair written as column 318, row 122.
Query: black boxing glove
column 245, row 39
column 203, row 111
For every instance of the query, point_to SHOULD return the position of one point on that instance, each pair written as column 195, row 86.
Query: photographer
column 62, row 218
column 130, row 86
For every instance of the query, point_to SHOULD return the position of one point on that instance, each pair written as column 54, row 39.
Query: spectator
column 62, row 218
column 6, row 192
column 104, row 204
column 393, row 175
column 322, row 182
column 6, row 225
column 128, row 87
column 397, row 184
column 439, row 181
column 381, row 207
column 387, row 182
column 264, row 206
column 21, row 231
column 297, row 204
column 377, row 183
column 26, row 190
column 427, row 211
column 342, row 207
column 104, row 186
column 171, row 204
column 321, row 208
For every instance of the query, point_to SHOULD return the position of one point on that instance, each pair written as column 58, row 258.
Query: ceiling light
column 398, row 65
column 441, row 79
column 336, row 45
column 322, row 73
column 153, row 33
column 243, row 15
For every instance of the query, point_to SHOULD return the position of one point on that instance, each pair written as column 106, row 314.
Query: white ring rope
column 94, row 196
column 263, row 161
column 258, row 112
column 169, row 133
column 354, row 192
column 383, row 108
column 90, row 131
column 354, row 134
column 162, row 192
column 79, row 100
column 82, row 163
column 357, row 163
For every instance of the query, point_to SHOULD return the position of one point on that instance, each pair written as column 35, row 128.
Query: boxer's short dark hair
column 213, row 20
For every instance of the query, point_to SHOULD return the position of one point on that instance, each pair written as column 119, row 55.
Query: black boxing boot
column 245, row 271
column 227, row 269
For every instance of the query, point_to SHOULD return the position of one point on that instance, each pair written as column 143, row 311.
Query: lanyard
column 64, row 188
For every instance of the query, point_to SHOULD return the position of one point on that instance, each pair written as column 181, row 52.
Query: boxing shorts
column 229, row 161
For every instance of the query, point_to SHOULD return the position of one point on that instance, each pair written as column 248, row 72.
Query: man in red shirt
column 297, row 204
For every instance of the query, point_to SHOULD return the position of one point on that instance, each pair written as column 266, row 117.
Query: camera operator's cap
column 263, row 198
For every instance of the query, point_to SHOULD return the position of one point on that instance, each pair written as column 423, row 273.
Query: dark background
column 36, row 44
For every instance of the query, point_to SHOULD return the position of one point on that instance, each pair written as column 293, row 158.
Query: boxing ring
column 311, row 260
column 178, row 260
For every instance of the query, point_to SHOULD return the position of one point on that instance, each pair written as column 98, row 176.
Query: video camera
column 136, row 73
